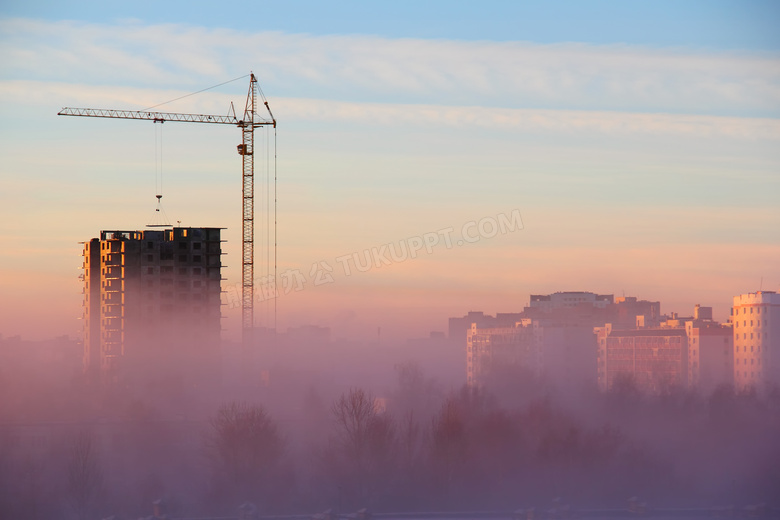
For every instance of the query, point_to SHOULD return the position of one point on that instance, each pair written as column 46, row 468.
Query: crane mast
column 247, row 124
column 247, row 152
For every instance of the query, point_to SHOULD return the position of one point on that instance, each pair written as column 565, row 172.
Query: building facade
column 656, row 359
column 691, row 351
column 152, row 302
column 492, row 349
column 756, row 327
column 710, row 353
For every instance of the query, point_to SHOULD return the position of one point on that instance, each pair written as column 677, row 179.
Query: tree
column 85, row 477
column 246, row 448
column 415, row 393
column 449, row 445
column 366, row 440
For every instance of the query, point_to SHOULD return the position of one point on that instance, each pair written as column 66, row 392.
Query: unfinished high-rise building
column 152, row 309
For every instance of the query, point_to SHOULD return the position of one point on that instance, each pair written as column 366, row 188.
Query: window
column 150, row 258
column 183, row 270
column 150, row 245
column 196, row 258
column 751, row 310
column 196, row 271
column 196, row 245
column 150, row 270
column 182, row 258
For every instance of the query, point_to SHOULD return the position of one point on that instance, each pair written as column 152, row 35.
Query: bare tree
column 246, row 448
column 353, row 413
column 366, row 440
column 85, row 477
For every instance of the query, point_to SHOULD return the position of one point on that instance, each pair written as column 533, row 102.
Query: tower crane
column 250, row 120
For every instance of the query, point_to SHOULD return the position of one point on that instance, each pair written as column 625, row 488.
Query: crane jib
column 157, row 116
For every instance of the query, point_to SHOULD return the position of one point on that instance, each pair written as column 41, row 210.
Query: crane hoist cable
column 159, row 218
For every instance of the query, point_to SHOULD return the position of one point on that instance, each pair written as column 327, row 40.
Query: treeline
column 516, row 443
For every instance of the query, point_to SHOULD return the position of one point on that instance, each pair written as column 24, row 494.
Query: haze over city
column 574, row 178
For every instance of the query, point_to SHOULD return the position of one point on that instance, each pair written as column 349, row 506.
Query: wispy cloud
column 372, row 69
column 419, row 115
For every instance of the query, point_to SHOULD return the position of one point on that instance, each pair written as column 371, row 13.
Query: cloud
column 405, row 115
column 401, row 71
column 508, row 119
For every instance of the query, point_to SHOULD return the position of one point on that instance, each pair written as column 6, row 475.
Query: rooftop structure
column 560, row 300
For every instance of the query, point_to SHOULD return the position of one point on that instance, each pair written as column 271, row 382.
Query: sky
column 639, row 143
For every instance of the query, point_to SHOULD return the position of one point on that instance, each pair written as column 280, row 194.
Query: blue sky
column 640, row 140
column 719, row 24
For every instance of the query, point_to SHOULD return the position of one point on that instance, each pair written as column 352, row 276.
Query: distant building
column 690, row 351
column 566, row 352
column 560, row 333
column 490, row 349
column 458, row 327
column 656, row 359
column 756, row 320
column 710, row 352
column 152, row 304
column 629, row 312
column 564, row 322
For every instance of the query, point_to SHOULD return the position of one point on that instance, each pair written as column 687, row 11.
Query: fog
column 301, row 423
